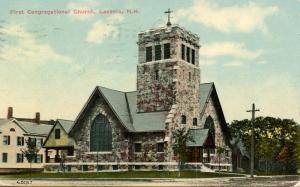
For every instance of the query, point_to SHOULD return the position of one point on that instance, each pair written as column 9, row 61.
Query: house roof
column 240, row 145
column 30, row 127
column 66, row 124
column 34, row 128
column 124, row 105
column 199, row 136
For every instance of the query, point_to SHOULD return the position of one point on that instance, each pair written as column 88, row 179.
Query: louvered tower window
column 101, row 135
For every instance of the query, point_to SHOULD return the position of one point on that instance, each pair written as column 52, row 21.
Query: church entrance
column 195, row 154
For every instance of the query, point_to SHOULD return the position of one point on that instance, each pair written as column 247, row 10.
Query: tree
column 30, row 151
column 220, row 151
column 181, row 136
column 270, row 136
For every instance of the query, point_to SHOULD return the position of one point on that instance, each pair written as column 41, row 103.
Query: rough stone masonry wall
column 149, row 147
column 158, row 95
column 155, row 95
column 82, row 135
column 211, row 111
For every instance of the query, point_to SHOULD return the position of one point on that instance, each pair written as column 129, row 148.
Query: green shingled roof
column 66, row 124
column 205, row 90
column 199, row 137
column 34, row 128
column 124, row 106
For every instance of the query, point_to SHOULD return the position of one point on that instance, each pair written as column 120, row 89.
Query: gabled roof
column 205, row 91
column 199, row 136
column 30, row 127
column 34, row 128
column 66, row 124
column 123, row 104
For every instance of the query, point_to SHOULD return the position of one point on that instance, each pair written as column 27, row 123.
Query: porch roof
column 199, row 136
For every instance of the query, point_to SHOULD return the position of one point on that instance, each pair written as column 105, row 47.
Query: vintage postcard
column 149, row 93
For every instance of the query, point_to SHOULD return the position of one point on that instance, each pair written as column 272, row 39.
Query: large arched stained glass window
column 209, row 124
column 100, row 135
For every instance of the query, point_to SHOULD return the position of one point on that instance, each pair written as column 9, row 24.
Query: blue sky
column 51, row 63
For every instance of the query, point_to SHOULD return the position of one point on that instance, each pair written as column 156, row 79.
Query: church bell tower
column 168, row 70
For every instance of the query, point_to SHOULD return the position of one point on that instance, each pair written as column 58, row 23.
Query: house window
column 148, row 54
column 183, row 119
column 188, row 54
column 20, row 158
column 101, row 135
column 195, row 122
column 39, row 142
column 156, row 75
column 12, row 130
column 193, row 56
column 182, row 52
column 190, row 76
column 167, row 51
column 6, row 140
column 20, row 141
column 4, row 157
column 32, row 141
column 137, row 147
column 57, row 133
column 39, row 158
column 157, row 50
column 160, row 147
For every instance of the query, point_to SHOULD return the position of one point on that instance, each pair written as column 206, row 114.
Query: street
column 226, row 181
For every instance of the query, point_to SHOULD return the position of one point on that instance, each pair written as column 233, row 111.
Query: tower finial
column 169, row 16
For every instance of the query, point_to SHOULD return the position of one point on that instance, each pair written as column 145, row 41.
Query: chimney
column 10, row 112
column 37, row 117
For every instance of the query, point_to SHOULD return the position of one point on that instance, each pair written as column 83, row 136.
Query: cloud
column 238, row 18
column 268, row 98
column 22, row 47
column 104, row 29
column 233, row 49
column 233, row 64
column 82, row 6
column 216, row 52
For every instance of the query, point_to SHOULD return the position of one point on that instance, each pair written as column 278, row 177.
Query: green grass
column 127, row 174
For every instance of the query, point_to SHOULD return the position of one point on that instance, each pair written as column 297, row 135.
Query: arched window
column 183, row 119
column 12, row 130
column 209, row 124
column 195, row 123
column 100, row 135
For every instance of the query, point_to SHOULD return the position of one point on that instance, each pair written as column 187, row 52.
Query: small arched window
column 12, row 130
column 100, row 135
column 195, row 123
column 183, row 119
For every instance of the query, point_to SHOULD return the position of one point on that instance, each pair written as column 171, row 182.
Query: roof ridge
column 65, row 120
column 208, row 83
column 111, row 89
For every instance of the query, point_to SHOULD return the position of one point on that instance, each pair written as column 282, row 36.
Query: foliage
column 271, row 135
column 181, row 136
column 220, row 151
column 30, row 151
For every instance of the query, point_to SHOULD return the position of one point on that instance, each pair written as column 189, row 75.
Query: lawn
column 127, row 174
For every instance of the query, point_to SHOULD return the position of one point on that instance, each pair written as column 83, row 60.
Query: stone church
column 118, row 130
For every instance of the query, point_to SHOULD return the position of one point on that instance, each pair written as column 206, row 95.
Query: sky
column 50, row 63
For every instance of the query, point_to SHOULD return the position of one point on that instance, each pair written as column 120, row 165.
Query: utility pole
column 253, row 110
